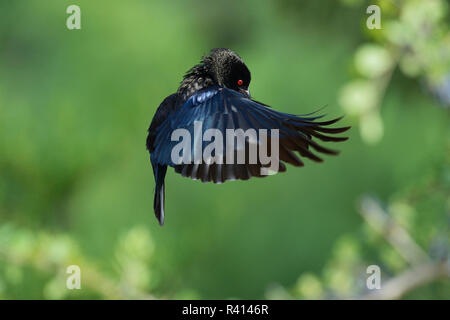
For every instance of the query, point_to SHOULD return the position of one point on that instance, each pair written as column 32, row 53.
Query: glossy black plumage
column 215, row 92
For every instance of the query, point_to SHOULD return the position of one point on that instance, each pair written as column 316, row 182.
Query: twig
column 397, row 236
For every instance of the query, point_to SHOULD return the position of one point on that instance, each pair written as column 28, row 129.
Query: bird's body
column 215, row 95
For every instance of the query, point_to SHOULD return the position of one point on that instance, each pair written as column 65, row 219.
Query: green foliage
column 344, row 275
column 414, row 37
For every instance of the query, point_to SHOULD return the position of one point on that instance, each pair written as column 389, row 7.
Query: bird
column 215, row 92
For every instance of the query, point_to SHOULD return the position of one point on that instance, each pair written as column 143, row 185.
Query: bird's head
column 221, row 67
column 228, row 70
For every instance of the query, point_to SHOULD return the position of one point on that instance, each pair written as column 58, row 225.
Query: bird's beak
column 246, row 92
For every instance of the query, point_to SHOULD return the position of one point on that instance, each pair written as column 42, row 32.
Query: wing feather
column 221, row 108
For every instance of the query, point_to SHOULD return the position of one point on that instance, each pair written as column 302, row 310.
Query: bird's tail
column 158, row 203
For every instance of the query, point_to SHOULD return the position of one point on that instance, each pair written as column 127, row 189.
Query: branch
column 423, row 270
column 396, row 235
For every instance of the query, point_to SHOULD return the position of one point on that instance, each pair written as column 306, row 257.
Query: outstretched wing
column 221, row 108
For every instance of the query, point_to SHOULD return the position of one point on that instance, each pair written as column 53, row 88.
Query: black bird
column 215, row 91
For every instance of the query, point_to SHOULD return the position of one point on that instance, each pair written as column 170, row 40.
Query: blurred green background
column 76, row 185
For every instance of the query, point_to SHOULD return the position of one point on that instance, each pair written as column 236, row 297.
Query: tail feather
column 158, row 203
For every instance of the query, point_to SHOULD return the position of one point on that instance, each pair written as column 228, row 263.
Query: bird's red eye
column 240, row 82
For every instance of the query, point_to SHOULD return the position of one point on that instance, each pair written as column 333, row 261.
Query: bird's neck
column 196, row 79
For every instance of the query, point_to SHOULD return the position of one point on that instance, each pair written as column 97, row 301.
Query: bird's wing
column 165, row 108
column 221, row 108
